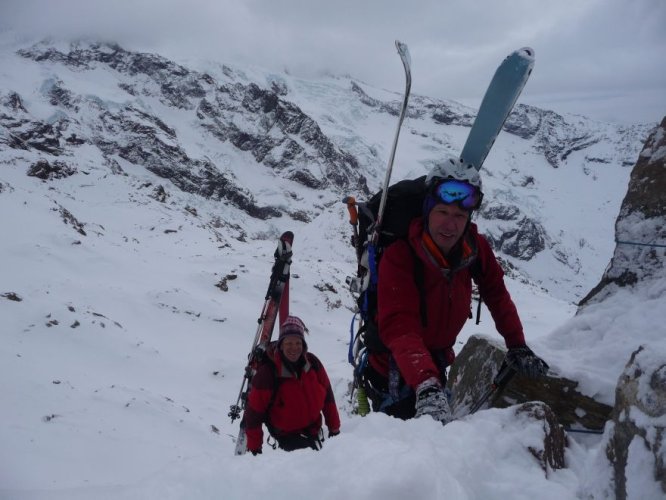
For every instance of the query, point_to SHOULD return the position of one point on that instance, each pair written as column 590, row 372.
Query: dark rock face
column 554, row 137
column 69, row 219
column 640, row 230
column 500, row 212
column 44, row 170
column 520, row 236
column 639, row 413
column 259, row 121
column 523, row 241
column 24, row 132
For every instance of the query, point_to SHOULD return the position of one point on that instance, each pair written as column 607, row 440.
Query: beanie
column 293, row 325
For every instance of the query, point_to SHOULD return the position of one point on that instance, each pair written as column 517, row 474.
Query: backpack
column 404, row 203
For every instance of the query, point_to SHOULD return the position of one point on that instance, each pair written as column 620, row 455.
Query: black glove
column 526, row 363
column 256, row 452
column 332, row 433
column 431, row 400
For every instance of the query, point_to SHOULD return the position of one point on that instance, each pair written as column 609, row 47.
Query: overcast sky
column 601, row 58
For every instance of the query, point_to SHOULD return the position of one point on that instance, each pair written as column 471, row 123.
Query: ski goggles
column 461, row 193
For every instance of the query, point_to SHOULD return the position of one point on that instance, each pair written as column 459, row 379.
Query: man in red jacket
column 289, row 394
column 408, row 381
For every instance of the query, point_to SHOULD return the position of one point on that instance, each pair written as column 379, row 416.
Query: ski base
column 502, row 94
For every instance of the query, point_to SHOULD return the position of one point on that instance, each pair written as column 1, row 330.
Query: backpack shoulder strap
column 419, row 279
column 476, row 269
column 276, row 382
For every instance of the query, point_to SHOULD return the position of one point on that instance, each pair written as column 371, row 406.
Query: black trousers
column 291, row 442
column 376, row 387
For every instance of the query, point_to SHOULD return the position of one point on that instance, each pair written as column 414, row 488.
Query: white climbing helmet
column 454, row 168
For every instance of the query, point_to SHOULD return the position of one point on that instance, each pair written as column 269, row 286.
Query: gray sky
column 602, row 58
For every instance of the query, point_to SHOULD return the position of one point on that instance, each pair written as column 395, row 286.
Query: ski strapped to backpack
column 406, row 59
column 387, row 216
column 372, row 233
column 503, row 92
column 277, row 291
column 404, row 203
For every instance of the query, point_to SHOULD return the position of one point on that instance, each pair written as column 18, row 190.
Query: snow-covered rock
column 637, row 439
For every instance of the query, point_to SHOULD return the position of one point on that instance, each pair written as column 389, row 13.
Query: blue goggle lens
column 459, row 192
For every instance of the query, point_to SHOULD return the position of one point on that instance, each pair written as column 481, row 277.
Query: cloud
column 582, row 46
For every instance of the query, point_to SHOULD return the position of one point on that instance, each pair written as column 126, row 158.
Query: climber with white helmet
column 424, row 296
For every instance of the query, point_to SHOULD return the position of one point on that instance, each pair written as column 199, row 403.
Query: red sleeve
column 330, row 409
column 497, row 298
column 399, row 316
column 263, row 385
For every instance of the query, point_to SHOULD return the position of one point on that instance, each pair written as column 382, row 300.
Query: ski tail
column 500, row 98
column 286, row 238
column 273, row 303
column 278, row 285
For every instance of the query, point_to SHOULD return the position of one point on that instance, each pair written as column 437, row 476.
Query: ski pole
column 500, row 381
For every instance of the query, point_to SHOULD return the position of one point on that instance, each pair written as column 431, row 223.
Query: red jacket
column 448, row 302
column 297, row 404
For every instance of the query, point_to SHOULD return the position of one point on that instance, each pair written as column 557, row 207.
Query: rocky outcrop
column 471, row 378
column 523, row 239
column 479, row 361
column 44, row 170
column 553, row 135
column 640, row 229
column 639, row 432
column 22, row 131
column 555, row 441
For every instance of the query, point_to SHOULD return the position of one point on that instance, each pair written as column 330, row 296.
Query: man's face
column 447, row 224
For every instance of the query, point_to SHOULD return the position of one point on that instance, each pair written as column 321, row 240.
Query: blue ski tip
column 501, row 95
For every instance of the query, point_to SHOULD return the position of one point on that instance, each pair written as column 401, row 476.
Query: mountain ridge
column 267, row 144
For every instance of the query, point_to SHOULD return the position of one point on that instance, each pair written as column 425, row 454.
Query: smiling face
column 447, row 224
column 292, row 347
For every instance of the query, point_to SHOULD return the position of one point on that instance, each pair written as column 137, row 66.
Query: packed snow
column 120, row 361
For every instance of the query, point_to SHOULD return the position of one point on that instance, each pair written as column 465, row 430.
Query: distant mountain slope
column 273, row 146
